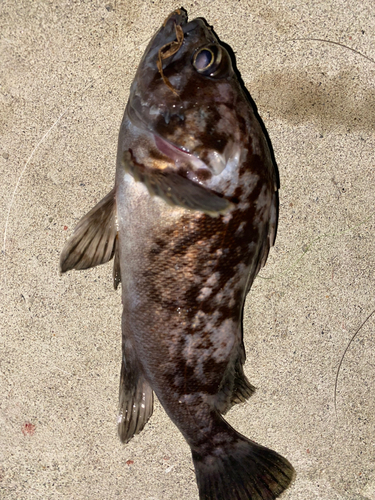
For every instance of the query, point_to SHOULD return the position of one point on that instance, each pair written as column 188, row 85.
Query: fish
column 189, row 224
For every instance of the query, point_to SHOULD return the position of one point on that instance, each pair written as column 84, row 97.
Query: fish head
column 185, row 94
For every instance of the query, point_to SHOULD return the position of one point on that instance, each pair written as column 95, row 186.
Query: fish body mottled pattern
column 184, row 280
column 189, row 222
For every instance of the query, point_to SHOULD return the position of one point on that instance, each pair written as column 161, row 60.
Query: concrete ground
column 66, row 67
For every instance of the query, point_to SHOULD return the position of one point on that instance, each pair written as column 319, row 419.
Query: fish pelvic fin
column 240, row 469
column 94, row 239
column 136, row 402
column 175, row 189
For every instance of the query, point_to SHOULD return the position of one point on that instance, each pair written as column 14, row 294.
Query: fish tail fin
column 136, row 401
column 240, row 469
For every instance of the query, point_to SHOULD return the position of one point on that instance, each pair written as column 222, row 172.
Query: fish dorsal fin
column 176, row 189
column 94, row 239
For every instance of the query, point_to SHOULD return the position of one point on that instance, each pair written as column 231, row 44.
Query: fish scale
column 189, row 223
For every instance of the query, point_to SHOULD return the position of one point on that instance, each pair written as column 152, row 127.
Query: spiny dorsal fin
column 94, row 239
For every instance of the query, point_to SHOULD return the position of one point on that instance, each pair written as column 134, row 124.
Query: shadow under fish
column 189, row 223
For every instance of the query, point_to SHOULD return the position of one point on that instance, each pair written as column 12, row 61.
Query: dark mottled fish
column 189, row 223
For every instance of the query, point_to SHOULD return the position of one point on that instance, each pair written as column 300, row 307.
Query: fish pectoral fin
column 176, row 189
column 94, row 239
column 136, row 402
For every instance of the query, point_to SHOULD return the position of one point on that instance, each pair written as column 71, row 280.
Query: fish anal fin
column 136, row 401
column 242, row 389
column 235, row 387
column 177, row 190
column 94, row 239
column 116, row 266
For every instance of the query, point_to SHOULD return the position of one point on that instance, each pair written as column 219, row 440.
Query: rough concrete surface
column 66, row 68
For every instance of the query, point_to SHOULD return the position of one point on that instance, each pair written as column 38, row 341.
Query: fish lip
column 190, row 26
column 179, row 18
column 166, row 34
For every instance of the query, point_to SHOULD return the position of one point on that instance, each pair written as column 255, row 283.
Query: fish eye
column 212, row 60
column 204, row 59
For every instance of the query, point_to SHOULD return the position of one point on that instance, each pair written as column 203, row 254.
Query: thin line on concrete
column 343, row 356
column 333, row 43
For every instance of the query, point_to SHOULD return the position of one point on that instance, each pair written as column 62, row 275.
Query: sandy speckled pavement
column 66, row 68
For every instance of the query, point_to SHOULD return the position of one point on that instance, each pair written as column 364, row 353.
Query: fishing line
column 333, row 43
column 343, row 356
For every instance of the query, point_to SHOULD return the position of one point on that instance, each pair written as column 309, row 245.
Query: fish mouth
column 177, row 20
column 179, row 17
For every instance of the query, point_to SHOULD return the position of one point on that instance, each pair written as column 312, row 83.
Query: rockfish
column 189, row 223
